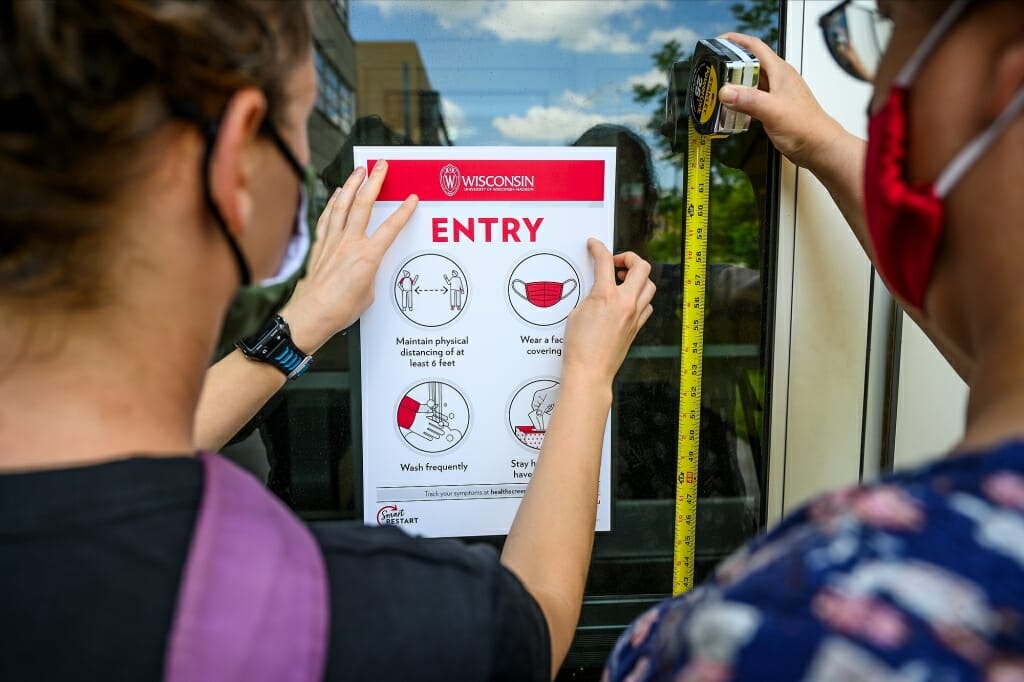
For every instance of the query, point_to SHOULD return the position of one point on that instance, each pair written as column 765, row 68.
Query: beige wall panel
column 932, row 401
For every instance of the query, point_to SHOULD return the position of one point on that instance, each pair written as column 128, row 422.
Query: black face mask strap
column 270, row 131
column 191, row 112
column 210, row 131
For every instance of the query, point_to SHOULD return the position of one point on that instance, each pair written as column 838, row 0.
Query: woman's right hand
column 343, row 260
column 602, row 327
column 797, row 125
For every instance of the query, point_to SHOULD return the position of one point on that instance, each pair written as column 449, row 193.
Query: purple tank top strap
column 253, row 602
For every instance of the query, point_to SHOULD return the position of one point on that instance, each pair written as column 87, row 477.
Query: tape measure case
column 717, row 62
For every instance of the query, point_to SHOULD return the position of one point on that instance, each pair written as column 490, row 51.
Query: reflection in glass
column 856, row 35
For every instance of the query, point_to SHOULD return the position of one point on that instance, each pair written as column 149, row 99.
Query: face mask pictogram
column 543, row 289
column 544, row 294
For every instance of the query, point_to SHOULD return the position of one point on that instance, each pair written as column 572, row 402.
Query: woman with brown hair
column 152, row 155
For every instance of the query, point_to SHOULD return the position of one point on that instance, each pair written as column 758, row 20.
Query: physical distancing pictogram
column 715, row 63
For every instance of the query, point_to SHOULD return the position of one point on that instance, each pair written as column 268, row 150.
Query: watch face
column 270, row 343
column 265, row 340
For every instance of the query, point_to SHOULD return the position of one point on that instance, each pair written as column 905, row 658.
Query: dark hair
column 83, row 85
column 634, row 167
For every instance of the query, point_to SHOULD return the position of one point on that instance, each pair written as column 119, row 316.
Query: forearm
column 234, row 390
column 550, row 542
column 839, row 167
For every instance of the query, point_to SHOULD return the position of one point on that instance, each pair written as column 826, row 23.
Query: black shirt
column 91, row 559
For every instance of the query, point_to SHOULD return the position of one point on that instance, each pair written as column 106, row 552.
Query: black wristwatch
column 273, row 345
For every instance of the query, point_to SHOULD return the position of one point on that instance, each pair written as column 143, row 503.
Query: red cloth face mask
column 543, row 294
column 905, row 221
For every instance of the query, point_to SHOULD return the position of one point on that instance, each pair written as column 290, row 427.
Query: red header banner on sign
column 485, row 180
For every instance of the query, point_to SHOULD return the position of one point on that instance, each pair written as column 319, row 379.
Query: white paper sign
column 462, row 347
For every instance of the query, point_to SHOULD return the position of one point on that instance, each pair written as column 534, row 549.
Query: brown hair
column 83, row 84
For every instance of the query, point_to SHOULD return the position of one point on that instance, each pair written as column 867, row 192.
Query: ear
column 229, row 173
column 1008, row 78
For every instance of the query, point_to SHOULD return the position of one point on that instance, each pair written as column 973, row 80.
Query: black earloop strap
column 210, row 130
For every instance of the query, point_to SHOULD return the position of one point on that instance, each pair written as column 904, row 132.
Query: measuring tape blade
column 715, row 62
column 691, row 361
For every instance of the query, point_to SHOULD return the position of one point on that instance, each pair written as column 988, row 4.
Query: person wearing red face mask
column 918, row 576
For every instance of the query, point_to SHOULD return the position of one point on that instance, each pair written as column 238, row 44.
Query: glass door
column 552, row 72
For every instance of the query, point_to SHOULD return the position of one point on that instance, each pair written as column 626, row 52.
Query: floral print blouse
column 917, row 577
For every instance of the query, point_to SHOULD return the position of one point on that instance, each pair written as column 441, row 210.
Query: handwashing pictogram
column 432, row 416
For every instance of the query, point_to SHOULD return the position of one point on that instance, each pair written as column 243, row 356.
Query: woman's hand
column 602, row 327
column 343, row 261
column 797, row 125
column 549, row 544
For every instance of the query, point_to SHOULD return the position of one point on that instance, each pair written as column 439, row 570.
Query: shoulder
column 911, row 571
column 451, row 609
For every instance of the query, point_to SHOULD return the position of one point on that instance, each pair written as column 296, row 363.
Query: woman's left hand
column 343, row 262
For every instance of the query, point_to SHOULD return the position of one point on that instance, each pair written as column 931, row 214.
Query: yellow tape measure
column 715, row 62
column 691, row 362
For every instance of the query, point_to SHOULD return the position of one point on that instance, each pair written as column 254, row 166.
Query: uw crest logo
column 451, row 179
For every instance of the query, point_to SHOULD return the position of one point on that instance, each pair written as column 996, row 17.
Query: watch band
column 273, row 345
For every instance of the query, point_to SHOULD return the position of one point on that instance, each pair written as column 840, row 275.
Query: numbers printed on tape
column 698, row 179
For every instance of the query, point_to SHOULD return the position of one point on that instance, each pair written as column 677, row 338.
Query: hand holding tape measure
column 715, row 63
